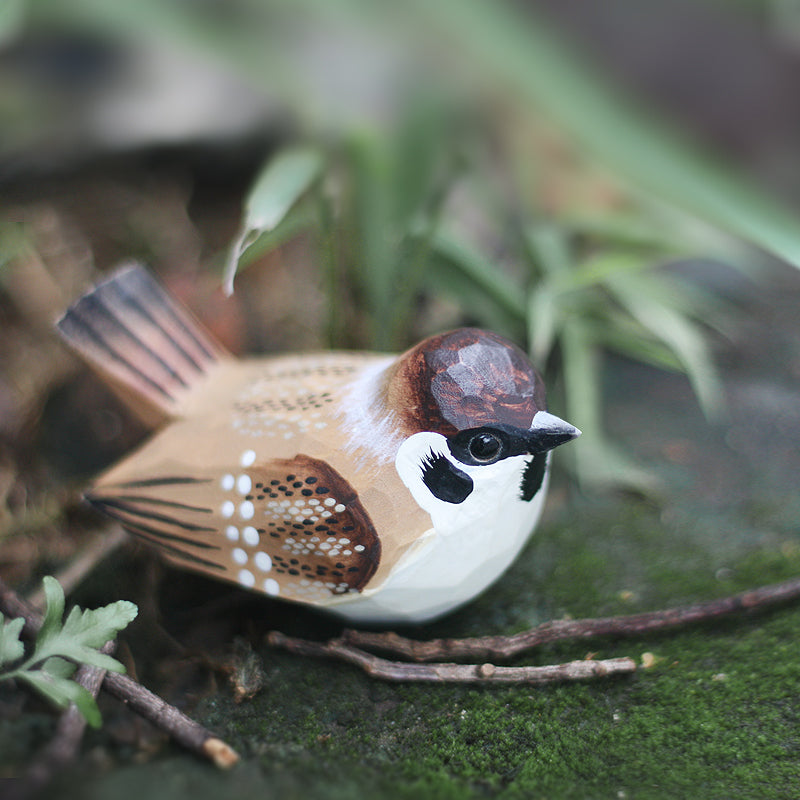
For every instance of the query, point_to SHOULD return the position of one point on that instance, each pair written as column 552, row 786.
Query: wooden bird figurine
column 383, row 488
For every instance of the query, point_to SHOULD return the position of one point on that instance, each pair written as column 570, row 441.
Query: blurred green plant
column 378, row 188
column 582, row 286
column 61, row 645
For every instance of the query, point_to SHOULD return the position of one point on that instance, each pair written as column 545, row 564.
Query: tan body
column 276, row 409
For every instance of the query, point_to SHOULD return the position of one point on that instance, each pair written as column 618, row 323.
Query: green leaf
column 275, row 192
column 85, row 631
column 54, row 609
column 548, row 249
column 61, row 647
column 11, row 647
column 619, row 333
column 369, row 221
column 62, row 691
column 59, row 667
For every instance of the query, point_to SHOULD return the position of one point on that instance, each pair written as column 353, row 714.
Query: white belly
column 446, row 569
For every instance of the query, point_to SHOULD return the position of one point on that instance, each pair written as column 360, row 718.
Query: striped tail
column 147, row 346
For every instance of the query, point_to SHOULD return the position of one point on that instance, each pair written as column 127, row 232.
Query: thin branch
column 63, row 748
column 452, row 673
column 181, row 728
column 503, row 647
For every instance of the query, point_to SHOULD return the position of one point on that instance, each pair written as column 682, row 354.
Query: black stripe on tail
column 160, row 529
column 141, row 339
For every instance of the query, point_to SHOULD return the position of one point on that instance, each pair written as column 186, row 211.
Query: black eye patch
column 444, row 480
column 487, row 445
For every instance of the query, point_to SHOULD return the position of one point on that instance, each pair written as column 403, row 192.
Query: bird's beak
column 549, row 431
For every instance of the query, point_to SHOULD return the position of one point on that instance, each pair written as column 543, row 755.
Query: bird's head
column 476, row 432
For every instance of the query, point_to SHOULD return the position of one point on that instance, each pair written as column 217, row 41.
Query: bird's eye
column 484, row 447
column 481, row 446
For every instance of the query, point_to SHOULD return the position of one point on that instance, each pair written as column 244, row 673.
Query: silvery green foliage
column 61, row 645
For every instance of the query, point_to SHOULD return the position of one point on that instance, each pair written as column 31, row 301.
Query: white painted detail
column 263, row 561
column 246, row 510
column 272, row 587
column 371, row 432
column 248, row 458
column 244, row 484
column 246, row 578
column 239, row 556
column 250, row 536
column 227, row 482
column 227, row 509
column 232, row 532
column 544, row 420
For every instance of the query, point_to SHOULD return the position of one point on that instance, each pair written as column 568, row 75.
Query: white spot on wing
column 263, row 561
column 248, row 458
column 246, row 578
column 246, row 510
column 250, row 536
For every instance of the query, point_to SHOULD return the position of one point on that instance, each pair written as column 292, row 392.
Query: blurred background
column 570, row 176
column 613, row 185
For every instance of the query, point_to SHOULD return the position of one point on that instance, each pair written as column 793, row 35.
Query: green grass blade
column 644, row 302
column 275, row 193
column 594, row 460
column 544, row 321
column 12, row 18
column 473, row 268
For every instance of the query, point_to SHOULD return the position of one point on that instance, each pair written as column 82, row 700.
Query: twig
column 452, row 673
column 181, row 728
column 63, row 747
column 503, row 647
column 89, row 557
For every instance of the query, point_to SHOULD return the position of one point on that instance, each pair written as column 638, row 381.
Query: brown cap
column 464, row 379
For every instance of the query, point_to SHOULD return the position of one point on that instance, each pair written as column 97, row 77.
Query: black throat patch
column 446, row 481
column 533, row 477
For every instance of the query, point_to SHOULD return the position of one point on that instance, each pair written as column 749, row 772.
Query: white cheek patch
column 495, row 487
column 408, row 463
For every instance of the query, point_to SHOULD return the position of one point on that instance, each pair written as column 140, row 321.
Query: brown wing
column 310, row 523
column 298, row 529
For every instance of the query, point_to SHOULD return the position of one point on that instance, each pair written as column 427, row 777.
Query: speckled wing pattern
column 311, row 525
column 293, row 528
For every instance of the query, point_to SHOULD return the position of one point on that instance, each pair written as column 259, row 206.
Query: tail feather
column 141, row 340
